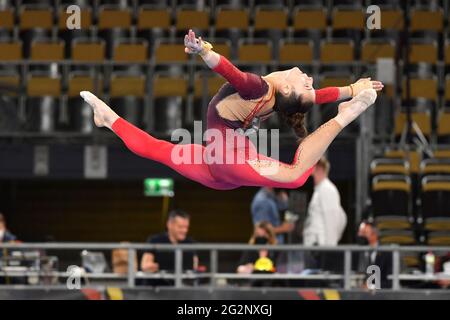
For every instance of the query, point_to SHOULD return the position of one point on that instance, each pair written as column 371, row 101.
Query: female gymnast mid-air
column 245, row 96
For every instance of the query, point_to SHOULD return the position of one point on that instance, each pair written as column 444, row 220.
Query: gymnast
column 238, row 102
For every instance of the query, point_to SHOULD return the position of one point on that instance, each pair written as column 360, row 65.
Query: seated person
column 261, row 261
column 119, row 260
column 177, row 230
column 7, row 237
column 443, row 266
column 5, row 234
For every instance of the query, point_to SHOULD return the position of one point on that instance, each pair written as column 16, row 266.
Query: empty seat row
column 424, row 122
column 392, row 208
column 439, row 164
column 264, row 18
column 331, row 51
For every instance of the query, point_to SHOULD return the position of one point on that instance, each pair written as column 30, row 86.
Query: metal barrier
column 178, row 276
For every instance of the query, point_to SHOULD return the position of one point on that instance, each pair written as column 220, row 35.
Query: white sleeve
column 312, row 223
column 332, row 215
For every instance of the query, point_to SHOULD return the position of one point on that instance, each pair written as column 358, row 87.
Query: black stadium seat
column 435, row 202
column 391, row 201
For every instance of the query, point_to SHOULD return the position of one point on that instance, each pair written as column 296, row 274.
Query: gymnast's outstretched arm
column 333, row 94
column 247, row 84
column 313, row 146
column 252, row 86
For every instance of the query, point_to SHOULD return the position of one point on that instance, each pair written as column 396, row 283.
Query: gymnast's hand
column 195, row 45
column 198, row 46
column 365, row 83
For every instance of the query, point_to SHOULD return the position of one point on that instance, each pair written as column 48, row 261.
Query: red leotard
column 222, row 175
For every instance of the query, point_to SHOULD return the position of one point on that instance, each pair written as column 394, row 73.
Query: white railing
column 178, row 275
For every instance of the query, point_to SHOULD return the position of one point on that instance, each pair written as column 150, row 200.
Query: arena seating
column 258, row 35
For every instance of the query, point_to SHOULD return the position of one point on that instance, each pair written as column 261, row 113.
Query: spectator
column 119, row 260
column 443, row 267
column 326, row 219
column 368, row 235
column 5, row 235
column 263, row 234
column 261, row 261
column 177, row 230
column 266, row 206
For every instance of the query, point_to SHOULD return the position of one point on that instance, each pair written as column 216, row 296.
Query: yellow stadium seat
column 39, row 86
column 125, row 85
column 401, row 237
column 257, row 52
column 422, row 119
column 392, row 19
column 447, row 88
column 348, row 20
column 423, row 53
column 332, row 52
column 169, row 98
column 195, row 19
column 167, row 86
column 447, row 53
column 170, row 52
column 149, row 18
column 443, row 128
column 439, row 238
column 114, row 17
column 391, row 185
column 442, row 154
column 131, row 52
column 296, row 52
column 389, row 166
column 6, row 18
column 422, row 88
column 33, row 18
column 435, row 166
column 231, row 19
column 88, row 51
column 270, row 19
column 47, row 50
column 435, row 199
column 10, row 80
column 310, row 19
column 10, row 51
column 391, row 200
column 412, row 156
column 392, row 223
column 425, row 20
column 82, row 82
column 373, row 50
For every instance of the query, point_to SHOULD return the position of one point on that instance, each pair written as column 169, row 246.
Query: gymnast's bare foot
column 104, row 116
column 350, row 110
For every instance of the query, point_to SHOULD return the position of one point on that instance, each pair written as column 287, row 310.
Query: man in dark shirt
column 177, row 230
column 368, row 235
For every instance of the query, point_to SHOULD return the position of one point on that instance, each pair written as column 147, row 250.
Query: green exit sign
column 158, row 187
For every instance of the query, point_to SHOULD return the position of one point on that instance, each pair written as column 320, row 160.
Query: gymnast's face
column 294, row 81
